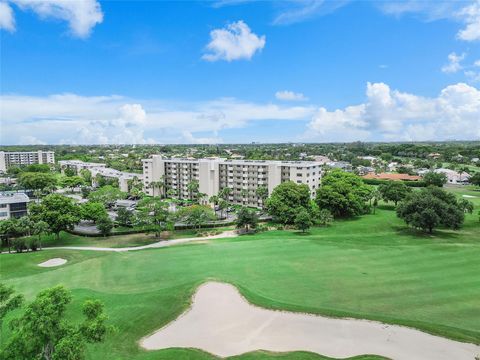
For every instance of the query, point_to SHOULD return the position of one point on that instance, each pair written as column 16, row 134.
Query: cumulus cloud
column 454, row 63
column 471, row 16
column 81, row 15
column 115, row 119
column 7, row 20
column 234, row 42
column 290, row 96
column 393, row 115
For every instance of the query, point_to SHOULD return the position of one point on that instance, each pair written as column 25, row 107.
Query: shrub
column 34, row 244
column 19, row 245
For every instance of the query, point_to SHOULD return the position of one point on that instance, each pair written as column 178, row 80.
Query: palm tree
column 262, row 193
column 157, row 185
column 192, row 188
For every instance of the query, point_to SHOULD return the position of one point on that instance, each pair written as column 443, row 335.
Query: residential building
column 23, row 158
column 78, row 165
column 108, row 173
column 342, row 165
column 454, row 177
column 213, row 175
column 13, row 205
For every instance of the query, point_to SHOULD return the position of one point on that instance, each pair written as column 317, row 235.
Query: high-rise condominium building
column 242, row 177
column 20, row 158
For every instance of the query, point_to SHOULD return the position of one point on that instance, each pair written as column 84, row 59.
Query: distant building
column 454, row 177
column 78, row 165
column 243, row 177
column 342, row 165
column 364, row 170
column 391, row 176
column 122, row 176
column 321, row 159
column 434, row 155
column 13, row 205
column 23, row 158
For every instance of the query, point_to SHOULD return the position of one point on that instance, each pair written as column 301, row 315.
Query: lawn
column 371, row 267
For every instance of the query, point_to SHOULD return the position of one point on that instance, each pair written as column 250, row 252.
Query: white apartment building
column 243, row 177
column 21, row 158
column 78, row 165
column 123, row 177
column 13, row 205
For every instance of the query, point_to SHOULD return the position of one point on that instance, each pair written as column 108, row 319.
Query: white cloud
column 477, row 63
column 30, row 140
column 7, row 21
column 471, row 16
column 295, row 11
column 290, row 96
column 393, row 115
column 81, row 15
column 234, row 42
column 454, row 63
column 70, row 118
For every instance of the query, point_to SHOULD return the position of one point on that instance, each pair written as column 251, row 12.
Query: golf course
column 370, row 267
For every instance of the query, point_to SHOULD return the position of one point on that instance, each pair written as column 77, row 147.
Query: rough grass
column 371, row 267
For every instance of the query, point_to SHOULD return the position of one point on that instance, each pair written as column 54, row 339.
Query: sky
column 238, row 71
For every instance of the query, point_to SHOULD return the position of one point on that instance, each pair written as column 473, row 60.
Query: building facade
column 13, row 205
column 163, row 176
column 23, row 158
column 78, row 165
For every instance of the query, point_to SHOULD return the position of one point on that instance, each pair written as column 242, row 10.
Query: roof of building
column 13, row 197
column 391, row 176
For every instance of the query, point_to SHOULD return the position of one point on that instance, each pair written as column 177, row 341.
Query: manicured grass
column 371, row 267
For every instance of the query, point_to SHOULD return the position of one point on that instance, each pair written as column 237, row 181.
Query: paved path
column 159, row 244
column 220, row 321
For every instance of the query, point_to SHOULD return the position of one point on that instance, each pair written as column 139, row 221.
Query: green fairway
column 372, row 267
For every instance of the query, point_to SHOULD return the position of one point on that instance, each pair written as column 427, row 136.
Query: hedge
column 408, row 183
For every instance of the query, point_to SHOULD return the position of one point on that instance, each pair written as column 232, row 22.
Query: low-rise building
column 24, row 158
column 454, row 177
column 109, row 173
column 13, row 205
column 78, row 165
column 242, row 177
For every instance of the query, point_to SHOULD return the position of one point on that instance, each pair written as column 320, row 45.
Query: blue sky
column 238, row 71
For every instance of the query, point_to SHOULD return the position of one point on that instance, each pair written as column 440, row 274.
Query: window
column 299, row 181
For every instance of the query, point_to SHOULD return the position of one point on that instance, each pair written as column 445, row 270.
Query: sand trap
column 223, row 323
column 469, row 196
column 53, row 262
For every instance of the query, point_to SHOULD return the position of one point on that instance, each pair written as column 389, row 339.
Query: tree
column 343, row 194
column 429, row 208
column 157, row 185
column 105, row 225
column 303, row 220
column 394, row 191
column 325, row 217
column 58, row 211
column 246, row 218
column 475, row 179
column 43, row 332
column 124, row 217
column 43, row 168
column 262, row 193
column 107, row 195
column 8, row 230
column 192, row 188
column 432, row 178
column 154, row 212
column 37, row 180
column 466, row 206
column 40, row 228
column 222, row 206
column 286, row 200
column 25, row 225
column 93, row 211
column 8, row 302
column 72, row 182
column 86, row 175
column 196, row 215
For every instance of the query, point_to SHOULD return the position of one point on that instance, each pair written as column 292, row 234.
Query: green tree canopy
column 246, row 218
column 434, row 179
column 37, row 180
column 286, row 200
column 196, row 215
column 93, row 211
column 303, row 220
column 58, row 211
column 429, row 208
column 43, row 332
column 394, row 191
column 104, row 225
column 154, row 212
column 72, row 182
column 107, row 195
column 343, row 194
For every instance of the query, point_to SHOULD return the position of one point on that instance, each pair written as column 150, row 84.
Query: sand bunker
column 53, row 262
column 223, row 323
column 469, row 196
